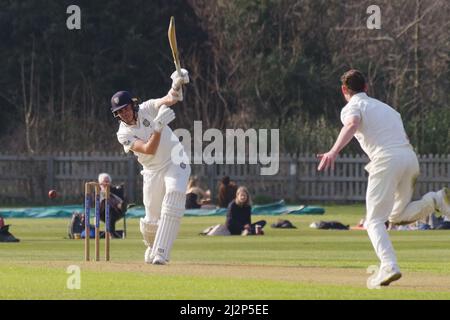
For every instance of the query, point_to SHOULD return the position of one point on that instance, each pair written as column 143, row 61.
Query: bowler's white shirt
column 142, row 130
column 381, row 128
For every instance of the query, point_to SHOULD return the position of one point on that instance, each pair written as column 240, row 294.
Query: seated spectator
column 196, row 196
column 117, row 203
column 239, row 212
column 5, row 235
column 227, row 192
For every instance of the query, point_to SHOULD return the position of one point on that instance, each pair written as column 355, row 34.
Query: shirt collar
column 358, row 96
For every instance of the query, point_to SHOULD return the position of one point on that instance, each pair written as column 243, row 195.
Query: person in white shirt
column 393, row 170
column 144, row 131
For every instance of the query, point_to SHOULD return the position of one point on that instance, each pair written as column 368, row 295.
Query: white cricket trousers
column 392, row 179
column 172, row 178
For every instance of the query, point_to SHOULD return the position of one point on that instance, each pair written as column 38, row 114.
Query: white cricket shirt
column 142, row 130
column 381, row 128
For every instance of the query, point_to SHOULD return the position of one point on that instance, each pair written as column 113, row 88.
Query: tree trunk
column 28, row 102
column 417, row 95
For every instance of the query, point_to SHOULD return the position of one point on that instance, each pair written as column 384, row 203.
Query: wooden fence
column 25, row 180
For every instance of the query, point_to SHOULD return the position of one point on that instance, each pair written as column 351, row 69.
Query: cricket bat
column 173, row 45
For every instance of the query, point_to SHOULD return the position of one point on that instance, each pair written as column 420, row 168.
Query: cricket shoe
column 443, row 201
column 385, row 276
column 148, row 255
column 159, row 260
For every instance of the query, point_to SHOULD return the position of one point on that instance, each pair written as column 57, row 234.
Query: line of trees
column 260, row 64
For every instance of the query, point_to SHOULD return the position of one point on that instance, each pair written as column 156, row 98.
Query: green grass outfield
column 302, row 263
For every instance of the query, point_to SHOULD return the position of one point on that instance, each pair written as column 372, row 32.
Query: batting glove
column 164, row 117
column 184, row 78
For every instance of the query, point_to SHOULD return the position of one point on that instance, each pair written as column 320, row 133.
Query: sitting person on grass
column 117, row 203
column 5, row 235
column 239, row 215
column 196, row 196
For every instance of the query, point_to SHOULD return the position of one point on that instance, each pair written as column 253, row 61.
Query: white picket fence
column 26, row 179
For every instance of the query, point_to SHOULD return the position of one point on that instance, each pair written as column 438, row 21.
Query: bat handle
column 177, row 66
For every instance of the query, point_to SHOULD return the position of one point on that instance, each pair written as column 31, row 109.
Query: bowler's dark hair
column 354, row 80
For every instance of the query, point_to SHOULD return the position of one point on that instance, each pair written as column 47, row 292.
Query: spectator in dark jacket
column 117, row 203
column 227, row 192
column 239, row 215
column 5, row 235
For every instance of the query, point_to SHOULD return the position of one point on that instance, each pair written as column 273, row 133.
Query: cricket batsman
column 143, row 130
column 393, row 170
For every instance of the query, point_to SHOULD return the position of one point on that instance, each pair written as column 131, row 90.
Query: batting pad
column 172, row 210
column 148, row 231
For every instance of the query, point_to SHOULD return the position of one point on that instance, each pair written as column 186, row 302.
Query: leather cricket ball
column 52, row 194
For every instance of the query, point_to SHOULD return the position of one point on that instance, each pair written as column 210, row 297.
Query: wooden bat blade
column 173, row 43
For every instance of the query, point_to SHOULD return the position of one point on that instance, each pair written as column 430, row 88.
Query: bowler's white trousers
column 392, row 178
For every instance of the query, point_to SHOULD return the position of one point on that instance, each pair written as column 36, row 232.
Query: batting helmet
column 122, row 99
